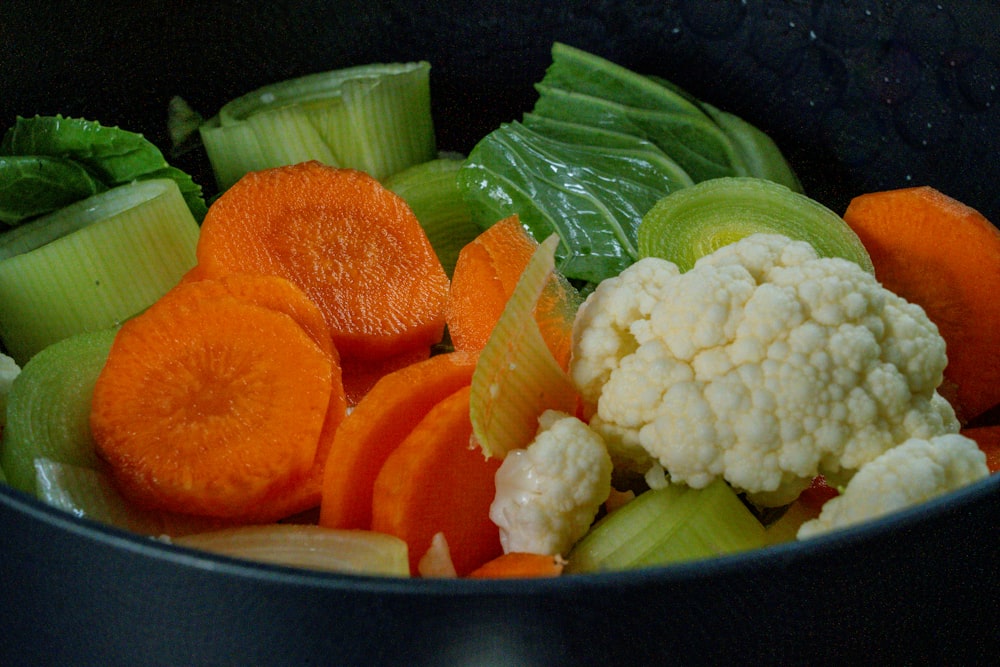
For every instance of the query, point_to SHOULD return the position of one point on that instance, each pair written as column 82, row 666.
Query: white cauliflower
column 548, row 493
column 764, row 364
column 905, row 475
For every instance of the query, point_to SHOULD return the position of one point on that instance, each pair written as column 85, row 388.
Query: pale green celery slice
column 669, row 525
column 308, row 546
column 693, row 222
column 89, row 493
column 517, row 377
column 94, row 264
column 48, row 408
column 432, row 192
column 376, row 118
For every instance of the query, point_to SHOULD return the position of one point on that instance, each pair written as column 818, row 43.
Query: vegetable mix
column 616, row 334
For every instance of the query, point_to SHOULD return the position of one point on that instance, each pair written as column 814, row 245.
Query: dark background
column 860, row 95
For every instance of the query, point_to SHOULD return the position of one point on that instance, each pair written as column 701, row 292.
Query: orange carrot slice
column 988, row 439
column 211, row 405
column 944, row 256
column 360, row 375
column 376, row 426
column 485, row 275
column 352, row 245
column 518, row 564
column 434, row 482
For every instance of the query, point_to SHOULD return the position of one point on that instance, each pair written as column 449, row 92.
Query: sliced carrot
column 486, row 272
column 211, row 405
column 485, row 275
column 377, row 425
column 352, row 245
column 283, row 296
column 944, row 256
column 360, row 375
column 988, row 439
column 434, row 482
column 518, row 564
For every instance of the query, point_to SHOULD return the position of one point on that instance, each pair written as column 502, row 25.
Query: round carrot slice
column 210, row 406
column 352, row 245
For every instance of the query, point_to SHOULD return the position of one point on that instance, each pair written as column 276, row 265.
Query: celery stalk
column 376, row 118
column 92, row 264
column 669, row 525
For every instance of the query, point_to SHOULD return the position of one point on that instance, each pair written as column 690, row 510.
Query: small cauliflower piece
column 905, row 475
column 764, row 365
column 548, row 493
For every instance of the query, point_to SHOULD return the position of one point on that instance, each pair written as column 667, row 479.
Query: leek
column 670, row 525
column 431, row 190
column 693, row 222
column 92, row 264
column 375, row 118
column 48, row 408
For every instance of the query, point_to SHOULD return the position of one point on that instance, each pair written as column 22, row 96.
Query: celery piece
column 690, row 223
column 9, row 370
column 308, row 546
column 376, row 118
column 92, row 264
column 48, row 408
column 517, row 377
column 431, row 190
column 669, row 525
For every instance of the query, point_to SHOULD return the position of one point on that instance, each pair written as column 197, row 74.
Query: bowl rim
column 746, row 563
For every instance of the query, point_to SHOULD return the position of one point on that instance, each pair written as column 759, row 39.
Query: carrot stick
column 519, row 565
column 352, row 245
column 485, row 275
column 988, row 439
column 434, row 482
column 376, row 426
column 212, row 405
column 944, row 256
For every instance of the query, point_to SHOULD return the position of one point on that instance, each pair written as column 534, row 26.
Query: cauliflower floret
column 764, row 364
column 905, row 475
column 548, row 493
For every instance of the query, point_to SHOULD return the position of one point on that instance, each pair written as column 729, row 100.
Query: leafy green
column 601, row 145
column 47, row 162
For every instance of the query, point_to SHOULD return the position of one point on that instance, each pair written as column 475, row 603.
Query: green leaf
column 35, row 185
column 593, row 196
column 111, row 155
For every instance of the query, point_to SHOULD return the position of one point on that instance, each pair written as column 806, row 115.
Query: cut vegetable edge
column 693, row 222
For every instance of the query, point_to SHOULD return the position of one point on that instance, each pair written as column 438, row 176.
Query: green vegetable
column 431, row 190
column 48, row 408
column 48, row 162
column 92, row 264
column 601, row 145
column 691, row 223
column 376, row 118
column 669, row 525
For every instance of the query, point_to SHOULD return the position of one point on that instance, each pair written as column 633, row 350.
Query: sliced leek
column 669, row 525
column 376, row 118
column 517, row 377
column 48, row 408
column 692, row 222
column 309, row 546
column 92, row 264
column 431, row 190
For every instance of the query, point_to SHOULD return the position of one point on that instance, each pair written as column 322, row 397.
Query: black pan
column 860, row 95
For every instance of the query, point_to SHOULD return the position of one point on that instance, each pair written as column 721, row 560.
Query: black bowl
column 861, row 96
